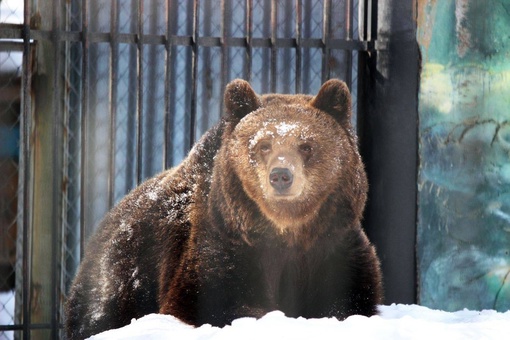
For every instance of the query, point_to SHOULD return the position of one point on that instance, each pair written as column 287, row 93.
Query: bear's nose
column 280, row 178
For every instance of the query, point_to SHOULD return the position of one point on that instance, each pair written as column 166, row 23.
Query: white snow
column 284, row 128
column 127, row 229
column 7, row 300
column 394, row 322
column 152, row 195
column 264, row 133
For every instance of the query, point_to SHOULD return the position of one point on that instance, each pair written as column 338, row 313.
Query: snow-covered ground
column 394, row 322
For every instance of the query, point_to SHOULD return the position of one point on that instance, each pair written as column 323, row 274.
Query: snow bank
column 394, row 322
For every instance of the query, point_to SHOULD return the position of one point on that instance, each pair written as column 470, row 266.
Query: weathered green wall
column 463, row 238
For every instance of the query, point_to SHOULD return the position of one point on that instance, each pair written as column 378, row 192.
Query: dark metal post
column 114, row 69
column 299, row 17
column 169, row 117
column 249, row 36
column 348, row 37
column 326, row 23
column 225, row 32
column 274, row 50
column 151, row 90
column 84, row 125
column 58, row 188
column 389, row 148
column 139, row 110
column 25, row 161
column 194, row 74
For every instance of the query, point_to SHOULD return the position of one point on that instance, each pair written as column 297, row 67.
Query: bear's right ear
column 240, row 99
column 334, row 98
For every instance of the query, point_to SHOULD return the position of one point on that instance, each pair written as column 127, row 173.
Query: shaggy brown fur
column 264, row 214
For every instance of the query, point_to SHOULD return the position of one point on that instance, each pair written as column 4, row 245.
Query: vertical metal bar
column 306, row 52
column 24, row 167
column 348, row 19
column 249, row 35
column 151, row 94
column 326, row 23
column 361, row 109
column 224, row 49
column 194, row 71
column 56, row 195
column 298, row 46
column 348, row 31
column 361, row 20
column 274, row 51
column 225, row 32
column 370, row 18
column 114, row 69
column 83, row 124
column 57, row 95
column 139, row 113
column 131, row 143
column 167, row 152
column 204, row 28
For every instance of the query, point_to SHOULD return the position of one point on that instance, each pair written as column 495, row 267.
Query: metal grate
column 108, row 93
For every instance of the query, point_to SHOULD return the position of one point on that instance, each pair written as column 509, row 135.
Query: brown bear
column 264, row 214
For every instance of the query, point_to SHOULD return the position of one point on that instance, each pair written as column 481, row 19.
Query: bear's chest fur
column 292, row 278
column 270, row 275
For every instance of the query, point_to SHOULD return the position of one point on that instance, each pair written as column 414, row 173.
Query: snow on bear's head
column 292, row 153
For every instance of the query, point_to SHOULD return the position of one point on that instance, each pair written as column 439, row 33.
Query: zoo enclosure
column 107, row 93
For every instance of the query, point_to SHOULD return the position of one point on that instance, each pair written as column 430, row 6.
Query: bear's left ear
column 334, row 98
column 240, row 99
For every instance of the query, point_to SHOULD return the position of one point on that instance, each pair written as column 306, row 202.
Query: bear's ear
column 334, row 98
column 240, row 99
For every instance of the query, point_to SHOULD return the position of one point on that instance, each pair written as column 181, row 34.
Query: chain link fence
column 98, row 95
column 10, row 99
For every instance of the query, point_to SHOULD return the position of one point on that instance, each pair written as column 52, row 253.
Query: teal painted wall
column 463, row 238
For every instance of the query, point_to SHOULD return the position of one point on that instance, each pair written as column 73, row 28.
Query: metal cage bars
column 59, row 35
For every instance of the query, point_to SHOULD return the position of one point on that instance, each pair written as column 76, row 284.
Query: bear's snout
column 281, row 179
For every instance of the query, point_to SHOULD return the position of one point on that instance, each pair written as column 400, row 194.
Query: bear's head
column 290, row 154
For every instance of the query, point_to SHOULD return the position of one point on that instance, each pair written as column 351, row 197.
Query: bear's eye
column 305, row 148
column 265, row 147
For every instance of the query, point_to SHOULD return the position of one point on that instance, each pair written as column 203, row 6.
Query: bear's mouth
column 284, row 195
column 291, row 194
column 288, row 211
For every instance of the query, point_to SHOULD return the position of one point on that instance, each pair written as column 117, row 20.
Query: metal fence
column 98, row 95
